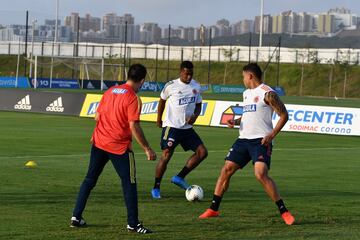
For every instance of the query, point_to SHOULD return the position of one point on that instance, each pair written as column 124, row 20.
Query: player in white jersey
column 183, row 108
column 255, row 140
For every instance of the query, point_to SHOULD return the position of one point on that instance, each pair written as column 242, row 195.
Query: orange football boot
column 209, row 213
column 288, row 218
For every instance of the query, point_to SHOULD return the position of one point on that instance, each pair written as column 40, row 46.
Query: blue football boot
column 180, row 182
column 155, row 193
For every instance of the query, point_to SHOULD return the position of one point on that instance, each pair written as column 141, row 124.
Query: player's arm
column 134, row 110
column 231, row 123
column 161, row 108
column 138, row 133
column 100, row 107
column 273, row 100
column 97, row 116
column 197, row 111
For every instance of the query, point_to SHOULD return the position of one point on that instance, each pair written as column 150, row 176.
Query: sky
column 164, row 12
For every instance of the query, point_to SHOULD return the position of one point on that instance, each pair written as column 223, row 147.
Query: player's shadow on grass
column 98, row 225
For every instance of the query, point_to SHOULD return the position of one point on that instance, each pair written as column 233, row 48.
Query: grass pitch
column 318, row 177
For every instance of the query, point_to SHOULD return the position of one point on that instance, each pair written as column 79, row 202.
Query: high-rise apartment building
column 267, row 24
column 72, row 21
column 114, row 27
column 89, row 23
column 305, row 22
column 223, row 27
column 278, row 24
column 150, row 33
column 326, row 23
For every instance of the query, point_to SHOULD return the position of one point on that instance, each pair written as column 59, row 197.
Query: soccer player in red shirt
column 117, row 120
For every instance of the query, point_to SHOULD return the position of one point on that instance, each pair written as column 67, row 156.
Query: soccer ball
column 194, row 193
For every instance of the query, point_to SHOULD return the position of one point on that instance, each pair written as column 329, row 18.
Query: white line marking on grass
column 316, row 149
column 46, row 156
column 182, row 152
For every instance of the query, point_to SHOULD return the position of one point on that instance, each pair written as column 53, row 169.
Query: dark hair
column 137, row 72
column 254, row 69
column 186, row 64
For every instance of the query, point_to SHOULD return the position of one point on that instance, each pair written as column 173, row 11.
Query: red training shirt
column 118, row 106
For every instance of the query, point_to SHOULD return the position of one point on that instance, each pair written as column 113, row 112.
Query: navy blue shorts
column 244, row 150
column 187, row 138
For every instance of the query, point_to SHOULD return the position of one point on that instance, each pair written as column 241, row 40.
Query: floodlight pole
column 261, row 22
column 77, row 37
column 17, row 66
column 209, row 63
column 250, row 36
column 168, row 56
column 55, row 40
column 278, row 64
column 56, row 21
column 156, row 63
column 102, row 74
column 35, row 73
column 26, row 39
column 52, row 64
column 125, row 43
column 32, row 46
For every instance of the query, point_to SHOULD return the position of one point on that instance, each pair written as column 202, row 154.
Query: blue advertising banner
column 92, row 84
column 227, row 88
column 54, row 83
column 64, row 83
column 240, row 89
column 279, row 90
column 205, row 88
column 96, row 84
column 10, row 82
column 152, row 86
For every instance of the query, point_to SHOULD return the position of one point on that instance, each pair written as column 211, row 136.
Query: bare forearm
column 192, row 119
column 237, row 121
column 161, row 108
column 97, row 116
column 280, row 124
column 160, row 113
column 197, row 110
column 278, row 106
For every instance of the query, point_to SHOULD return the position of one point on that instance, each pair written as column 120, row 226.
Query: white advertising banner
column 225, row 110
column 302, row 118
column 324, row 120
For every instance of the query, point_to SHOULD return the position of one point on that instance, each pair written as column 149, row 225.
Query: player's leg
column 98, row 159
column 195, row 159
column 190, row 140
column 168, row 144
column 221, row 187
column 125, row 167
column 161, row 168
column 262, row 156
column 261, row 173
column 237, row 158
column 223, row 181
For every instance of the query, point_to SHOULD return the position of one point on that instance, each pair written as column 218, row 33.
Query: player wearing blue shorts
column 254, row 142
column 184, row 106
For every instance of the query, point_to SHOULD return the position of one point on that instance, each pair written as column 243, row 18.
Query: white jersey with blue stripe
column 181, row 101
column 256, row 121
